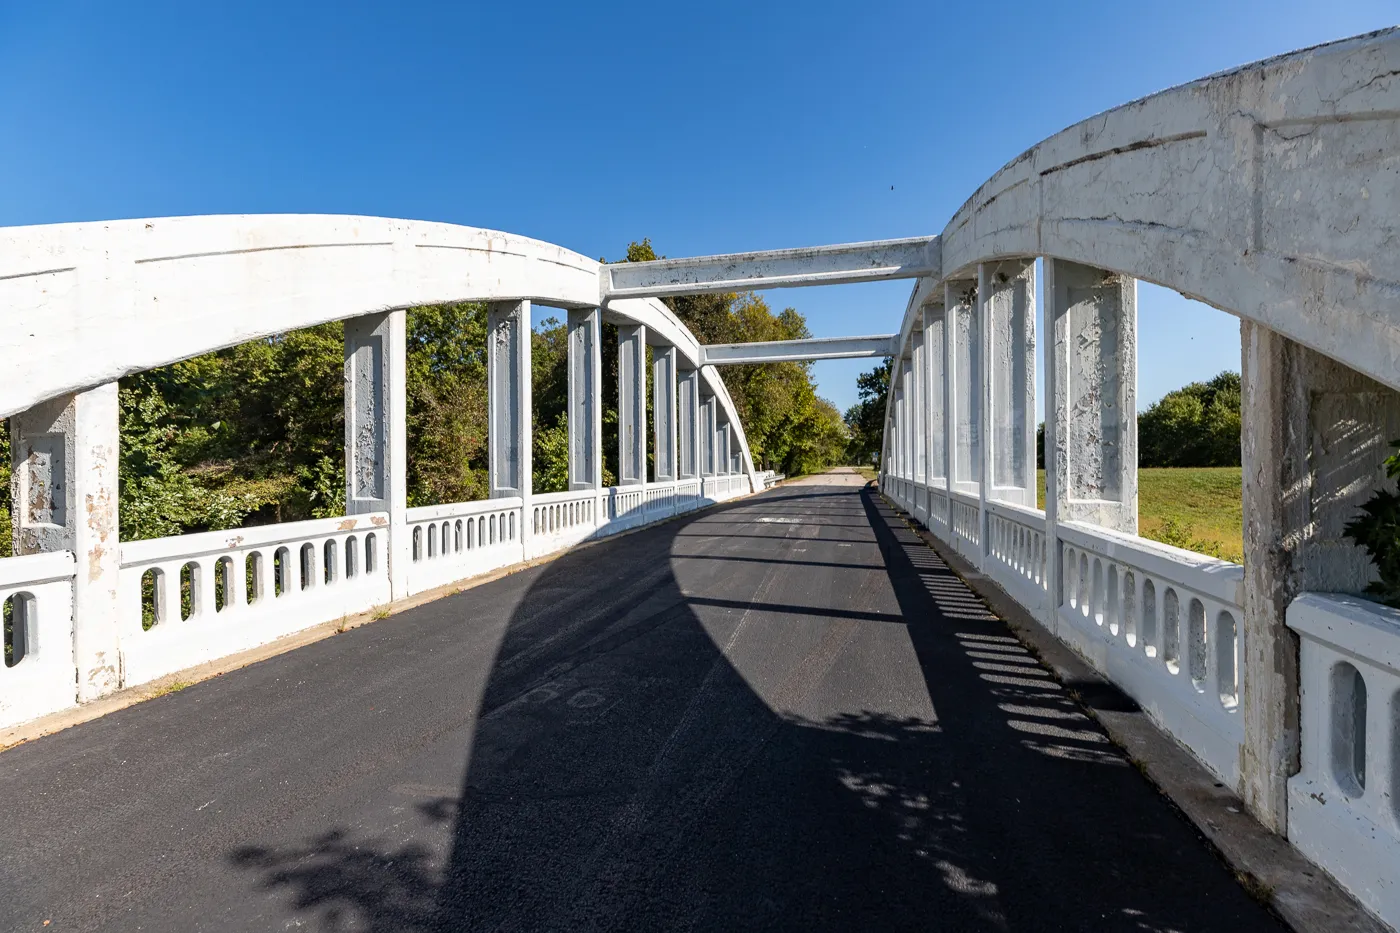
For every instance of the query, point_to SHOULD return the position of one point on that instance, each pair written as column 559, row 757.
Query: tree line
column 254, row 434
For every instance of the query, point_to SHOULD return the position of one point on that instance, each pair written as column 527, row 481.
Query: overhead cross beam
column 787, row 351
column 874, row 261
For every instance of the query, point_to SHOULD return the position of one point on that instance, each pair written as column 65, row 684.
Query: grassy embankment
column 1196, row 508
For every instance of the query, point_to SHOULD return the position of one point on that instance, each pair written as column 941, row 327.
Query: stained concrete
column 801, row 720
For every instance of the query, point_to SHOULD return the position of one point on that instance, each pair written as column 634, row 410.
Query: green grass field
column 1196, row 508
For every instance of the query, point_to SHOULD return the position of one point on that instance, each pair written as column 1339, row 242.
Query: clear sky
column 709, row 127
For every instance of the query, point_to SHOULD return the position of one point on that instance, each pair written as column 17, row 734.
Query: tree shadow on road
column 640, row 760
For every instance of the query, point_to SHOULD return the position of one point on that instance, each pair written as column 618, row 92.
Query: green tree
column 865, row 420
column 1197, row 425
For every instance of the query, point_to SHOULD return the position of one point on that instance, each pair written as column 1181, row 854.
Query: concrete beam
column 786, row 351
column 874, row 261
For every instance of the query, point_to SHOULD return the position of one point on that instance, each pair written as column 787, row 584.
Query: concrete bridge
column 729, row 720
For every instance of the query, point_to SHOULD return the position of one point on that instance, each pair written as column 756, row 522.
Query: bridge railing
column 453, row 542
column 1163, row 624
column 1344, row 803
column 189, row 599
column 38, row 672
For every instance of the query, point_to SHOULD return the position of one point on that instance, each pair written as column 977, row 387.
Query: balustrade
column 1344, row 803
column 38, row 673
column 189, row 599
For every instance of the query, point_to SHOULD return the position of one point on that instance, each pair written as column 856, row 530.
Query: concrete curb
column 1274, row 872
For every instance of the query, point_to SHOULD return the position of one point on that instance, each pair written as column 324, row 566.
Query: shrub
column 1377, row 531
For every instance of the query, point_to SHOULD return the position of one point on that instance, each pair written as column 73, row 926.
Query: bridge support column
column 664, row 411
column 1006, row 291
column 901, row 456
column 935, row 423
column 63, row 489
column 688, row 418
column 1091, row 421
column 918, row 422
column 708, row 428
column 962, row 378
column 585, row 400
column 508, row 399
column 1314, row 435
column 1091, row 384
column 631, row 405
column 376, row 415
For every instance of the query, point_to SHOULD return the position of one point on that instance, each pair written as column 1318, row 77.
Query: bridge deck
column 801, row 720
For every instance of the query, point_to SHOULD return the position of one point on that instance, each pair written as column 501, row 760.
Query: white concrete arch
column 1270, row 191
column 88, row 303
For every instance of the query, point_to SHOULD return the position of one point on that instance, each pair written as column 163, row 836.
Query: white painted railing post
column 1091, row 416
column 632, row 405
column 508, row 397
column 64, row 493
column 376, row 416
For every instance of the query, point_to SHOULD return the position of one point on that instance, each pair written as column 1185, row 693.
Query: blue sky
column 709, row 127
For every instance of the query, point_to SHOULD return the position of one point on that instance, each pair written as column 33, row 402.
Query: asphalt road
column 783, row 713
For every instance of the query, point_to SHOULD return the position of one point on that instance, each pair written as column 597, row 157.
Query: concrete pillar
column 63, row 487
column 1314, row 435
column 1007, row 293
column 1091, row 386
column 376, row 417
column 631, row 405
column 918, row 377
column 910, row 420
column 963, row 380
column 708, row 420
column 585, row 399
column 935, row 456
column 508, row 397
column 722, row 448
column 664, row 410
column 688, row 421
column 906, row 444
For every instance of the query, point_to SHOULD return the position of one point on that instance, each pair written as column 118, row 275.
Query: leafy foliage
column 1198, row 425
column 866, row 419
column 1377, row 530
